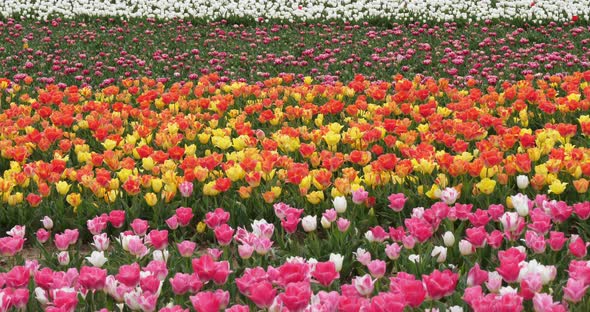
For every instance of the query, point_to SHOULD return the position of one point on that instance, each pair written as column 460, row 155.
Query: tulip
column 47, row 223
column 62, row 187
column 309, row 223
column 449, row 239
column 522, row 181
column 340, row 204
column 364, row 285
column 186, row 248
column 97, row 259
column 377, row 268
column 63, row 258
column 338, row 260
column 466, row 248
column 440, row 253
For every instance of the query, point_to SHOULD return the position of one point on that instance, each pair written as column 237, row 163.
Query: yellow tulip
column 114, row 184
column 486, row 186
column 235, row 173
column 124, row 174
column 151, row 199
column 557, row 187
column 111, row 196
column 221, row 142
column 204, row 137
column 15, row 199
column 209, row 189
column 74, row 199
column 201, row 227
column 62, row 187
column 156, row 184
column 434, row 192
column 332, row 138
column 315, row 197
column 276, row 190
column 109, row 144
column 148, row 163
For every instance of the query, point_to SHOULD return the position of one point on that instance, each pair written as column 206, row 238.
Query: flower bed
column 76, row 52
column 291, row 196
column 534, row 11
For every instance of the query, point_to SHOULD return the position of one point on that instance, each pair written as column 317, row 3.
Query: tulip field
column 318, row 156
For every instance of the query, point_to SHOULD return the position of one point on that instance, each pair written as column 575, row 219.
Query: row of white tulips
column 287, row 10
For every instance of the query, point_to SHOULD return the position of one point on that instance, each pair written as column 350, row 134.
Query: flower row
column 73, row 52
column 533, row 11
column 142, row 144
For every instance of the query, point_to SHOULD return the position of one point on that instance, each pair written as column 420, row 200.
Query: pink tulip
column 575, row 290
column 556, row 240
column 101, row 242
column 393, row 251
column 62, row 241
column 216, row 218
column 224, row 234
column 172, row 222
column 245, row 251
column 325, row 273
column 343, row 224
column 184, row 215
column 92, row 278
column 129, row 274
column 139, row 226
column 158, row 239
column 476, row 276
column 17, row 277
column 157, row 268
column 377, row 268
column 136, row 247
column 440, row 284
column 359, row 196
column 296, row 296
column 97, row 225
column 117, row 218
column 577, row 246
column 364, row 285
column 186, row 188
column 262, row 294
column 42, row 235
column 208, row 301
column 17, row 231
column 397, row 201
column 180, row 283
column 186, row 248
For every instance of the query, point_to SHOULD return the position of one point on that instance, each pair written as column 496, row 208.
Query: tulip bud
column 440, row 252
column 466, row 248
column 340, row 204
column 47, row 223
column 337, row 259
column 449, row 239
column 325, row 223
column 522, row 181
column 309, row 223
column 63, row 258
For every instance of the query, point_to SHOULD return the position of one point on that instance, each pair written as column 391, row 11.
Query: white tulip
column 309, row 223
column 325, row 223
column 440, row 253
column 340, row 204
column 449, row 239
column 521, row 204
column 465, row 247
column 522, row 181
column 97, row 259
column 338, row 259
